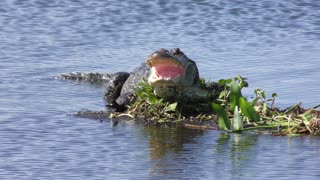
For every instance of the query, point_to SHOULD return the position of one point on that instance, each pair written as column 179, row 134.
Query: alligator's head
column 171, row 69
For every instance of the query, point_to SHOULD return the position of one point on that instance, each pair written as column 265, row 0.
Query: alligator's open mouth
column 171, row 69
column 165, row 71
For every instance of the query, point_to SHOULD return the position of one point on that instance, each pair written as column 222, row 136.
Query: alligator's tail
column 90, row 77
column 112, row 82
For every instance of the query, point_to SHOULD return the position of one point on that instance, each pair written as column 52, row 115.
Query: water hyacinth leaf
column 274, row 95
column 244, row 84
column 222, row 94
column 224, row 121
column 260, row 95
column 202, row 81
column 171, row 107
column 248, row 110
column 235, row 94
column 256, row 91
column 242, row 81
column 255, row 101
column 237, row 120
column 224, row 82
column 221, row 82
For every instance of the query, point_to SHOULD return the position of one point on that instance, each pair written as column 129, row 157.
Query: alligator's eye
column 176, row 51
column 162, row 50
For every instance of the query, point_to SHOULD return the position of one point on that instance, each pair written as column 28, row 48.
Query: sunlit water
column 276, row 44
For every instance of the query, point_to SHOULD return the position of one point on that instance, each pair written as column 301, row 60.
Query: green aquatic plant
column 232, row 101
column 145, row 93
column 223, row 117
column 233, row 112
column 152, row 108
column 261, row 113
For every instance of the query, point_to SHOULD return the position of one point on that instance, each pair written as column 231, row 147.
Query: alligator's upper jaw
column 165, row 72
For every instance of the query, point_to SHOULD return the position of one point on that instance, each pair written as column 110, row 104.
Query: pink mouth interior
column 168, row 70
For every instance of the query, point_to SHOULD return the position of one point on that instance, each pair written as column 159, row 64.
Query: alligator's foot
column 100, row 115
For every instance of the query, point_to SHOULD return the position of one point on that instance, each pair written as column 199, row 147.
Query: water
column 273, row 43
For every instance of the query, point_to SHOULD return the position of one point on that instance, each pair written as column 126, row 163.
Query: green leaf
column 224, row 121
column 202, row 81
column 263, row 94
column 265, row 108
column 222, row 94
column 171, row 107
column 224, row 82
column 255, row 101
column 260, row 93
column 242, row 81
column 144, row 90
column 274, row 95
column 248, row 110
column 237, row 120
column 243, row 84
column 235, row 94
column 257, row 91
column 139, row 93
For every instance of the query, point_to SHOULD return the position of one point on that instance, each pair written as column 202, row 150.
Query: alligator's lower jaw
column 156, row 80
column 163, row 82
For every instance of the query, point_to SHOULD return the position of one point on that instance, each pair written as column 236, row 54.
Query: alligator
column 173, row 76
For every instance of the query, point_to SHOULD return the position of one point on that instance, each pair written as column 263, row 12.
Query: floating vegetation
column 151, row 110
column 261, row 114
column 231, row 112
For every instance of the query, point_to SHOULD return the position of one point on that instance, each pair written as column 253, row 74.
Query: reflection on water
column 166, row 140
column 167, row 143
column 185, row 153
column 237, row 145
